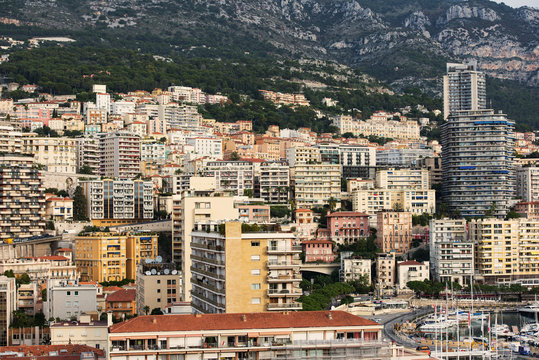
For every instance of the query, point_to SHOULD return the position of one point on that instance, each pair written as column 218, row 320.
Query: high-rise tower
column 464, row 88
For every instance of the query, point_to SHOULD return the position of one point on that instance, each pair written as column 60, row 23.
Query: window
column 255, row 301
column 76, row 293
column 158, row 291
column 68, row 293
column 255, row 257
column 255, row 243
column 255, row 272
column 159, row 281
column 255, row 286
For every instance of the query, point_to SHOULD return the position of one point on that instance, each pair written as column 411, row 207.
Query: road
column 389, row 321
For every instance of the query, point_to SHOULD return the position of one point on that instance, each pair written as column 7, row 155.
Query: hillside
column 399, row 41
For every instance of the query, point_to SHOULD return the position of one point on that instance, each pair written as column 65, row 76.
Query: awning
column 192, row 335
column 274, row 333
column 117, row 338
column 255, row 335
column 141, row 337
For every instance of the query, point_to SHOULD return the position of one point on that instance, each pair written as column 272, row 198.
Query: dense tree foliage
column 79, row 205
column 320, row 299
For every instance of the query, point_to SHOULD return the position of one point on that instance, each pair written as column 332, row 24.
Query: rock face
column 393, row 39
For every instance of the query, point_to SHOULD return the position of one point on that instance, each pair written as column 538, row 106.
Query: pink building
column 318, row 250
column 254, row 213
column 529, row 209
column 346, row 227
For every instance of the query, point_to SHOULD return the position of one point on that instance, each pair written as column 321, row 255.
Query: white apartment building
column 451, row 252
column 66, row 299
column 402, row 157
column 10, row 139
column 57, row 155
column 102, row 102
column 120, row 155
column 122, row 107
column 235, row 176
column 112, row 202
column 152, row 151
column 353, row 155
column 408, row 179
column 411, row 270
column 205, row 146
column 89, row 153
column 174, row 116
column 83, row 332
column 9, row 303
column 385, row 271
column 303, row 155
column 402, row 129
column 274, row 182
column 372, row 201
column 316, row 184
column 42, row 268
column 355, row 269
column 528, row 183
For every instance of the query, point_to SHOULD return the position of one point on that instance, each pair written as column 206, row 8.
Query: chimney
column 243, row 318
column 198, row 315
column 329, row 316
column 109, row 319
column 154, row 320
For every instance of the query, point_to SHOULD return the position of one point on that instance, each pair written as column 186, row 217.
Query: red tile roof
column 112, row 288
column 123, row 295
column 300, row 319
column 410, row 262
column 64, row 250
column 346, row 213
column 44, row 350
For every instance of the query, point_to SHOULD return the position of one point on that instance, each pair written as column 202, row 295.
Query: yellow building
column 243, row 270
column 316, row 184
column 506, row 250
column 112, row 256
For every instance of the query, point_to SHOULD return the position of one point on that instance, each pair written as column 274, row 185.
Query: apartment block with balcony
column 403, row 179
column 233, row 176
column 274, row 182
column 120, row 155
column 158, row 285
column 254, row 213
column 316, row 184
column 386, row 270
column 528, row 183
column 42, row 268
column 115, row 202
column 235, row 270
column 22, row 208
column 89, row 153
column 411, row 200
column 112, row 256
column 288, row 335
column 355, row 269
column 27, row 296
column 394, row 231
column 8, row 304
column 347, row 227
column 451, row 252
column 67, row 299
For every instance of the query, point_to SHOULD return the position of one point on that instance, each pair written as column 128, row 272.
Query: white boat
column 437, row 324
column 502, row 330
column 530, row 309
column 529, row 328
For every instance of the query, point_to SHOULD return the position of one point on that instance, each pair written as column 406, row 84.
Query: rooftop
column 302, row 319
column 122, row 295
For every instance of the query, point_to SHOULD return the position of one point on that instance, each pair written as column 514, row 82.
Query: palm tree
column 146, row 309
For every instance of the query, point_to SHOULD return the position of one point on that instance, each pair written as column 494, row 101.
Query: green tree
column 79, row 205
column 156, row 311
column 146, row 309
column 86, row 169
column 234, row 156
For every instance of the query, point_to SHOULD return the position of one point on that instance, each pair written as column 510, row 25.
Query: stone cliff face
column 394, row 39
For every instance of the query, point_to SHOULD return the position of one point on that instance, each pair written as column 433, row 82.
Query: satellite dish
column 148, row 273
column 154, row 271
column 159, row 259
column 166, row 271
column 174, row 272
column 148, row 261
column 159, row 273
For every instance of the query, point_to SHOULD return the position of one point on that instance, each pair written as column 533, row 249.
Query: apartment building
column 104, row 256
column 401, row 157
column 316, row 184
column 205, row 146
column 385, row 271
column 67, row 299
column 528, row 183
column 57, row 155
column 288, row 335
column 10, row 139
column 347, row 227
column 27, row 297
column 505, row 250
column 410, row 200
column 357, row 161
column 121, row 303
column 158, row 285
column 153, row 151
column 89, row 153
column 254, row 213
column 528, row 209
column 355, row 269
column 303, row 155
column 8, row 304
column 42, row 268
column 235, row 269
column 382, row 126
column 120, row 155
column 394, row 231
column 194, row 206
column 233, row 176
column 83, row 332
column 403, row 179
column 411, row 270
column 58, row 208
column 451, row 252
column 274, row 182
column 115, row 202
column 318, row 250
column 480, row 173
column 23, row 204
column 464, row 88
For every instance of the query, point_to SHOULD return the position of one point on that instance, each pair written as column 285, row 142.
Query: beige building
column 104, row 256
column 355, row 269
column 190, row 207
column 385, row 271
column 158, row 285
column 40, row 269
column 10, row 139
column 303, row 155
column 83, row 332
column 394, row 231
column 57, row 154
column 27, row 296
column 411, row 200
column 316, row 184
column 236, row 268
column 379, row 125
column 9, row 303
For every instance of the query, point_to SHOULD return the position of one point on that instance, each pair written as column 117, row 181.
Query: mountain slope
column 392, row 39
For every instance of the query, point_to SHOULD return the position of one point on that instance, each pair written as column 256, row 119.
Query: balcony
column 284, row 306
column 282, row 264
column 284, row 250
column 283, row 279
column 295, row 292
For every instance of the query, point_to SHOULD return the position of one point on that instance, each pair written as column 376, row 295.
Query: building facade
column 464, row 88
column 316, row 184
column 394, row 231
column 158, row 285
column 120, row 155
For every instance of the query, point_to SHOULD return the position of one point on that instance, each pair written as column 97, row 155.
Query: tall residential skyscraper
column 464, row 88
column 477, row 162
